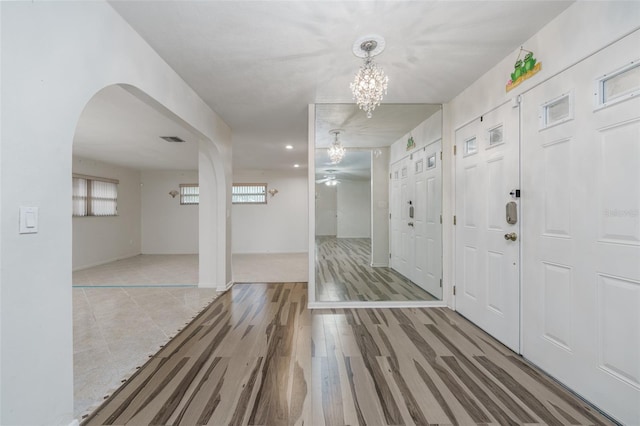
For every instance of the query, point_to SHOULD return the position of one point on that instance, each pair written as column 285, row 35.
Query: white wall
column 167, row 226
column 380, row 208
column 354, row 209
column 55, row 57
column 583, row 29
column 326, row 210
column 98, row 240
column 576, row 33
column 281, row 225
column 425, row 133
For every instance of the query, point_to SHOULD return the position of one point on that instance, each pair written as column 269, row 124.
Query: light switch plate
column 28, row 220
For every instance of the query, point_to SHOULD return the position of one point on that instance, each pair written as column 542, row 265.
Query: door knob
column 512, row 236
column 410, row 223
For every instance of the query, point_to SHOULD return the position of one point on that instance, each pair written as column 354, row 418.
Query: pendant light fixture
column 336, row 151
column 370, row 83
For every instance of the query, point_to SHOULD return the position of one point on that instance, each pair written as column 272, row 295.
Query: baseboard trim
column 383, row 305
column 103, row 262
column 222, row 289
column 272, row 252
column 75, row 422
column 379, row 265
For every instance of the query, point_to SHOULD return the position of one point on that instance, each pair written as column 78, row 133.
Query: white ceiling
column 118, row 128
column 361, row 135
column 355, row 165
column 390, row 123
column 258, row 64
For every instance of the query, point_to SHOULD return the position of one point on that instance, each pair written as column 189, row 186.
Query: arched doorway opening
column 137, row 175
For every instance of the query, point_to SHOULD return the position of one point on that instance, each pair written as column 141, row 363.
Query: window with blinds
column 189, row 193
column 94, row 196
column 249, row 193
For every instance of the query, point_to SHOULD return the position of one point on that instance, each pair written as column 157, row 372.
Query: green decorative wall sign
column 410, row 143
column 523, row 69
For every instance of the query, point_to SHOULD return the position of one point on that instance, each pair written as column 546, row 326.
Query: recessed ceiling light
column 296, row 165
column 289, row 147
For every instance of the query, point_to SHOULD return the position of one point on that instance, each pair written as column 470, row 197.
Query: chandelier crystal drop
column 370, row 84
column 336, row 151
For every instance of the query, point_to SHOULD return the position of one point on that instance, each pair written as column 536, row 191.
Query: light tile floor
column 124, row 311
column 142, row 269
column 116, row 329
column 271, row 268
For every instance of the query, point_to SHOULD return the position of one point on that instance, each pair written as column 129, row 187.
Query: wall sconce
column 173, row 193
column 273, row 191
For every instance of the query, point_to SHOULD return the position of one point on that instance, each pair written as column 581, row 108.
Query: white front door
column 406, row 231
column 487, row 263
column 418, row 222
column 581, row 232
column 426, row 169
column 395, row 218
column 433, row 166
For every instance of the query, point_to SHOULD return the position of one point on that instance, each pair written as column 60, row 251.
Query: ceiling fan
column 330, row 179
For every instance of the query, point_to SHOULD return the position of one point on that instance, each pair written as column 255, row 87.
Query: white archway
column 55, row 58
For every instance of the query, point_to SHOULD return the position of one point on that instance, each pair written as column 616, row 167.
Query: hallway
column 257, row 356
column 343, row 273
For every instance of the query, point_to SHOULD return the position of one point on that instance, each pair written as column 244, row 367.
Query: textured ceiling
column 259, row 64
column 361, row 135
column 391, row 122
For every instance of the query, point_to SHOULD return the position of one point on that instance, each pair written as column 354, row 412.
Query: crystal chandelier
column 370, row 83
column 336, row 150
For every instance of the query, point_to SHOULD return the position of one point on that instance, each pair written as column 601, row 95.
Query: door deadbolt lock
column 511, row 236
column 511, row 213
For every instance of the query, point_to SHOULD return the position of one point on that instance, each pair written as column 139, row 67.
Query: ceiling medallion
column 336, row 151
column 370, row 83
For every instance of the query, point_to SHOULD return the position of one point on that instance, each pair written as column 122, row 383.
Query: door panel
column 433, row 228
column 416, row 182
column 406, row 233
column 420, row 246
column 581, row 270
column 487, row 271
column 395, row 216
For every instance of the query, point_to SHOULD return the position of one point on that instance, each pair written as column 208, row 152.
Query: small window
column 470, row 146
column 419, row 166
column 556, row 111
column 495, row 136
column 619, row 85
column 249, row 193
column 94, row 196
column 431, row 161
column 189, row 193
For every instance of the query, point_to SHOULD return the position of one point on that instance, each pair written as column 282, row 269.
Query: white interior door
column 416, row 242
column 433, row 166
column 395, row 220
column 406, row 232
column 418, row 222
column 427, row 228
column 487, row 264
column 581, row 194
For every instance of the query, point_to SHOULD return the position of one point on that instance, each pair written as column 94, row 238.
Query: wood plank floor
column 343, row 273
column 258, row 356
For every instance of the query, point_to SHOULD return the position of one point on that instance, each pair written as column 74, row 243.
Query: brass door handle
column 512, row 236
